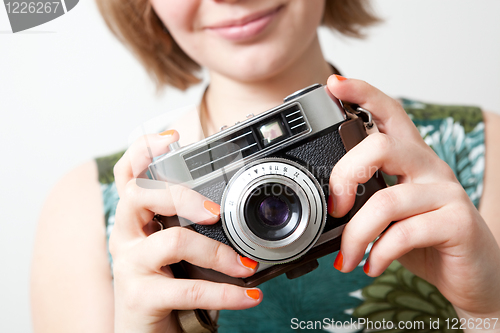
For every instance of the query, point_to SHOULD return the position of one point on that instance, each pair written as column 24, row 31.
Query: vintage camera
column 270, row 174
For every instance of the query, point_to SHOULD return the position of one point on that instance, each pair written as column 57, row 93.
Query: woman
column 256, row 52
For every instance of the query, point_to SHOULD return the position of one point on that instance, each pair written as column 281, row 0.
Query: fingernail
column 331, row 204
column 253, row 293
column 212, row 207
column 340, row 78
column 247, row 262
column 339, row 261
column 366, row 267
column 167, row 133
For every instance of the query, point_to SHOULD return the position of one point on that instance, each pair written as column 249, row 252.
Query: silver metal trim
column 291, row 121
column 238, row 137
column 291, row 114
column 294, row 127
column 157, row 220
column 174, row 146
column 239, row 163
column 303, row 220
column 349, row 108
column 220, row 158
column 319, row 107
column 369, row 123
column 302, row 92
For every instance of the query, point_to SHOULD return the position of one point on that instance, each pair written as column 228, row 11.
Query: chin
column 257, row 62
column 255, row 69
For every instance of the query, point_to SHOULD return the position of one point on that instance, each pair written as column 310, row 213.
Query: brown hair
column 135, row 24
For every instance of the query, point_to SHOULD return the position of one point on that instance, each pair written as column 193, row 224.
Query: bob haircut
column 135, row 24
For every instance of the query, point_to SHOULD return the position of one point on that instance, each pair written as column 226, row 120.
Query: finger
column 387, row 113
column 416, row 232
column 139, row 204
column 409, row 161
column 452, row 248
column 140, row 154
column 395, row 203
column 175, row 244
column 183, row 294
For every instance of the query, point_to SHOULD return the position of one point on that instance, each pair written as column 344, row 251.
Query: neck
column 229, row 101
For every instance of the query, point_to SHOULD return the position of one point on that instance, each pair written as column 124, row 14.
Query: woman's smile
column 247, row 27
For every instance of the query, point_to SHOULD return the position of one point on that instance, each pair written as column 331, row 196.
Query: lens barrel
column 272, row 211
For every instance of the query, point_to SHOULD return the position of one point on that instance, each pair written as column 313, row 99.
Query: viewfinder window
column 271, row 131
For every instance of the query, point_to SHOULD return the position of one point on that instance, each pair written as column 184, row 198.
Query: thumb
column 387, row 112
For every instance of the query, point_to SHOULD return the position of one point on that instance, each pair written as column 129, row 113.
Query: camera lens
column 272, row 211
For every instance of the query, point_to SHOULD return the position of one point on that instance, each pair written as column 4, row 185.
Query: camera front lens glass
column 272, row 211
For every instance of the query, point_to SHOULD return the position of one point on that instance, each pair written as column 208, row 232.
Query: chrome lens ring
column 279, row 171
column 301, row 223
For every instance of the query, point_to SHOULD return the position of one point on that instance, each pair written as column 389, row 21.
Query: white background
column 70, row 92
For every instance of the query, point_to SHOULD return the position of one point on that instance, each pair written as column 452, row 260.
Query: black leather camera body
column 270, row 174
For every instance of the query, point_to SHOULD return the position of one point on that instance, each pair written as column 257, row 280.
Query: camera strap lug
column 362, row 113
column 366, row 116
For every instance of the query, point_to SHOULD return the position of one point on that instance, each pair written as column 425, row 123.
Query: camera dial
column 301, row 92
column 273, row 210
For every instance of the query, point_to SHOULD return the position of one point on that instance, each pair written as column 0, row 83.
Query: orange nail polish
column 339, row 261
column 212, row 207
column 366, row 267
column 167, row 133
column 247, row 262
column 340, row 78
column 253, row 293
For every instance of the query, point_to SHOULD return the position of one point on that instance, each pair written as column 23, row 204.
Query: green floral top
column 326, row 296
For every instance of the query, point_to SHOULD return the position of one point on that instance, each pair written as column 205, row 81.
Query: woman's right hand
column 145, row 289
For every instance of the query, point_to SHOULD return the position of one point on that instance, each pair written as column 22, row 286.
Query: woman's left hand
column 439, row 234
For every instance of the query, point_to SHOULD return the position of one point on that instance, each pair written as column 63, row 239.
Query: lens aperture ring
column 303, row 230
column 283, row 184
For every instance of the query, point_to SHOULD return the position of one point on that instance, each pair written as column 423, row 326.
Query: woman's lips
column 246, row 28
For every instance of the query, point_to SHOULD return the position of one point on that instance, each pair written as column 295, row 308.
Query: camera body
column 270, row 174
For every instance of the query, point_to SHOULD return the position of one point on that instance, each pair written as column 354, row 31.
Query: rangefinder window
column 272, row 131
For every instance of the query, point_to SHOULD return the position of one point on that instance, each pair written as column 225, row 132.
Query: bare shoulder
column 71, row 287
column 489, row 208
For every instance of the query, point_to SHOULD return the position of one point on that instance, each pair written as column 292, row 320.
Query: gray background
column 69, row 92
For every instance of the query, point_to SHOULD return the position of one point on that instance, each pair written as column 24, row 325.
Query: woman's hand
column 146, row 291
column 439, row 235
